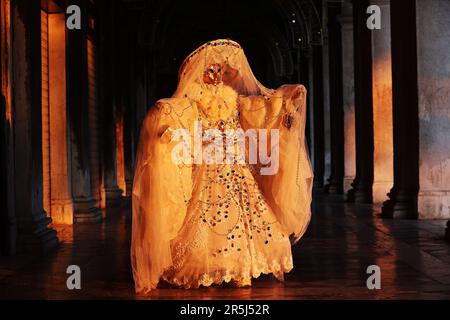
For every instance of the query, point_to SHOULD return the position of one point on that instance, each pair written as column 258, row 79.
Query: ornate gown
column 207, row 223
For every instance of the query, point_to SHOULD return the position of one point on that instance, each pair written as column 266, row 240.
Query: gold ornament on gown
column 202, row 224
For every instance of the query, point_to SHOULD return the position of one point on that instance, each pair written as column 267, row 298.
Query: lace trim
column 218, row 277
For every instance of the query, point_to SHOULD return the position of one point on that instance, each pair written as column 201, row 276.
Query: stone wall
column 382, row 105
column 433, row 43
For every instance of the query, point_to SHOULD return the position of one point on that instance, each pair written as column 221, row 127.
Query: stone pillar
column 141, row 78
column 303, row 75
column 152, row 78
column 60, row 186
column 120, row 82
column 433, row 45
column 77, row 102
column 311, row 110
column 361, row 191
column 140, row 71
column 326, row 92
column 319, row 152
column 129, row 148
column 8, row 225
column 129, row 98
column 32, row 219
column 382, row 105
column 402, row 201
column 113, row 193
column 125, row 89
column 336, row 180
column 348, row 91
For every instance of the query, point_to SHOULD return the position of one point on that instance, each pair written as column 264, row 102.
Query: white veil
column 160, row 203
column 222, row 51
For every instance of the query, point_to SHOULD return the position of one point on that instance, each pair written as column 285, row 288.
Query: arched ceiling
column 270, row 31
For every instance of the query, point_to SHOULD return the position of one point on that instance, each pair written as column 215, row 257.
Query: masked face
column 213, row 74
column 230, row 75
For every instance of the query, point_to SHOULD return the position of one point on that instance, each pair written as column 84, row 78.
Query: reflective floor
column 330, row 261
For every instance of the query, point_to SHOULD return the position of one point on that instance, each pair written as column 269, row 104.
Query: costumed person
column 202, row 222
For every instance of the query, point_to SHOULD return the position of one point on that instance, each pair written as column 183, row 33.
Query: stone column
column 129, row 148
column 113, row 193
column 8, row 225
column 32, row 219
column 60, row 186
column 361, row 191
column 77, row 102
column 141, row 78
column 402, row 201
column 433, row 45
column 336, row 180
column 119, row 84
column 303, row 75
column 140, row 55
column 151, row 76
column 129, row 98
column 348, row 91
column 311, row 110
column 382, row 105
column 319, row 152
column 326, row 93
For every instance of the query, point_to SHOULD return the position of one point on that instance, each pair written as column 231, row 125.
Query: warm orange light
column 45, row 112
column 94, row 150
column 56, row 179
column 5, row 50
column 349, row 146
column 383, row 130
column 120, row 154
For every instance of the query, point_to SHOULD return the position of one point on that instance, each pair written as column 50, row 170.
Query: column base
column 46, row 236
column 113, row 197
column 334, row 187
column 62, row 211
column 434, row 204
column 400, row 206
column 348, row 183
column 86, row 211
column 360, row 194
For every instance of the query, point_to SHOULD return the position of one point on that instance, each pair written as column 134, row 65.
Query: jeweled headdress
column 227, row 53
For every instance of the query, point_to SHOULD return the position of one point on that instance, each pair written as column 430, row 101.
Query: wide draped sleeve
column 289, row 190
column 161, row 191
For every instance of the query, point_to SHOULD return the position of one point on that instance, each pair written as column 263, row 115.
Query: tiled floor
column 330, row 261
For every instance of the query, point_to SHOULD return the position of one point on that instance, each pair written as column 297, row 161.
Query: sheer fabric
column 200, row 224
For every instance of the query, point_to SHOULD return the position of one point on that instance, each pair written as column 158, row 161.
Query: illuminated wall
column 8, row 236
column 348, row 81
column 45, row 112
column 94, row 148
column 120, row 154
column 382, row 106
column 55, row 152
column 433, row 42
